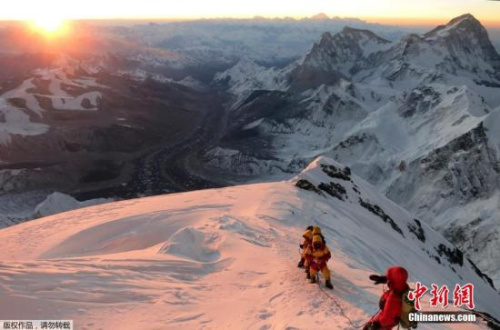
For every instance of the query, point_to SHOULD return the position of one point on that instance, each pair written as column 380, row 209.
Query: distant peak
column 320, row 16
column 463, row 22
column 466, row 20
column 464, row 17
column 325, row 40
column 347, row 30
column 326, row 36
column 246, row 64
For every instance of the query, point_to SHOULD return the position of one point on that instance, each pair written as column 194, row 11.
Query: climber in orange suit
column 317, row 255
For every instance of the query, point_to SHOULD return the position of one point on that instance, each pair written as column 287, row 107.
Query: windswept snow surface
column 218, row 259
column 17, row 208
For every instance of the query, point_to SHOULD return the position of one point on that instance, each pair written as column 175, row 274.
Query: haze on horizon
column 404, row 12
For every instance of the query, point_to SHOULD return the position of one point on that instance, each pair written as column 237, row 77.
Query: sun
column 50, row 26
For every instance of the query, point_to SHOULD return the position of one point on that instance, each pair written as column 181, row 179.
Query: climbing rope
column 342, row 313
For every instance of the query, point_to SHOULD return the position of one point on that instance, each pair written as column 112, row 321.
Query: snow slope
column 17, row 208
column 247, row 76
column 222, row 258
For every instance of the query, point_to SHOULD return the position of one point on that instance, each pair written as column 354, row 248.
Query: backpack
column 407, row 308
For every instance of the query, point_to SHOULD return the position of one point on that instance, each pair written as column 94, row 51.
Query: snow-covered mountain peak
column 325, row 40
column 242, row 69
column 465, row 32
column 463, row 22
column 246, row 76
column 416, row 119
column 362, row 34
column 336, row 57
column 465, row 19
column 466, row 37
column 346, row 47
column 461, row 49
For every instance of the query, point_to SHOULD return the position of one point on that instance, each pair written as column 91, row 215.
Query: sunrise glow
column 50, row 12
column 50, row 26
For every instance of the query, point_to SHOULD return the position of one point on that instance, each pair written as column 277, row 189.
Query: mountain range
column 416, row 117
column 123, row 112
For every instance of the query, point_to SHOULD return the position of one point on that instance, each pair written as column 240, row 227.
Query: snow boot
column 301, row 263
column 328, row 284
column 313, row 279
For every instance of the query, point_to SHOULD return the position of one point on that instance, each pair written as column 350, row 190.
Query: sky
column 383, row 11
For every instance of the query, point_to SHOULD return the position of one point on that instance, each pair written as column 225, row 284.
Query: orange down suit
column 306, row 244
column 318, row 258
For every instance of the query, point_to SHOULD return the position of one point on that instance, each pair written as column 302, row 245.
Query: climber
column 317, row 255
column 307, row 236
column 392, row 304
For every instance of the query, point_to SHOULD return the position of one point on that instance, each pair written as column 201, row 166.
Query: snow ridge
column 185, row 259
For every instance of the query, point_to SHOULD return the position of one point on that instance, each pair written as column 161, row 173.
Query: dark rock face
column 336, row 173
column 467, row 163
column 354, row 140
column 334, row 189
column 480, row 273
column 306, row 185
column 419, row 100
column 465, row 169
column 303, row 78
column 417, row 230
column 377, row 210
column 334, row 57
column 454, row 256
